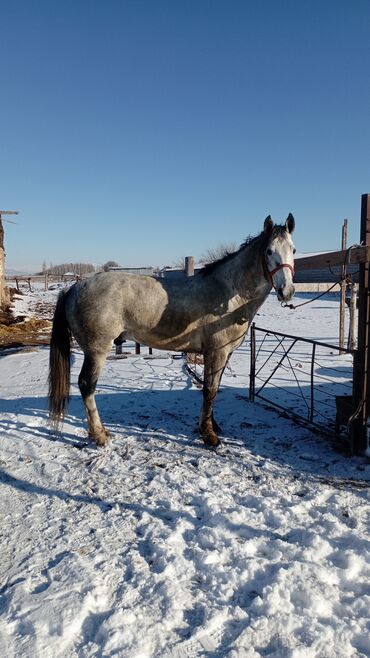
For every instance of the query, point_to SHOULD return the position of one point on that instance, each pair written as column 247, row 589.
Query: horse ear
column 290, row 223
column 268, row 225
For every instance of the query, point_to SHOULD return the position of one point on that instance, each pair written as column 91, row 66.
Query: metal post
column 352, row 343
column 361, row 388
column 252, row 371
column 118, row 342
column 312, row 408
column 342, row 306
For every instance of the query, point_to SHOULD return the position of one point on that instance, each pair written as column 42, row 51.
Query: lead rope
column 293, row 307
column 309, row 301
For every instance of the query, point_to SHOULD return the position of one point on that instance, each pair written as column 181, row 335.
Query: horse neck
column 247, row 270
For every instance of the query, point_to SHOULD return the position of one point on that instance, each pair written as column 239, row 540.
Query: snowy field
column 155, row 547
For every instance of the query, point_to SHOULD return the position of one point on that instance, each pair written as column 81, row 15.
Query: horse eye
column 294, row 250
column 269, row 252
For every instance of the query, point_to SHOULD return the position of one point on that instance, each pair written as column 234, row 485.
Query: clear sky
column 145, row 130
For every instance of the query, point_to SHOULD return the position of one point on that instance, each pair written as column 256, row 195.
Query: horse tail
column 59, row 363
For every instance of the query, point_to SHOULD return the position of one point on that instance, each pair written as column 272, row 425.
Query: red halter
column 270, row 273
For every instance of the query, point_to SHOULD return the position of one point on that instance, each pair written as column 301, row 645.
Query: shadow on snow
column 164, row 419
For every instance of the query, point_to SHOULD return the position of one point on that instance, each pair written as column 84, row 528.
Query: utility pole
column 2, row 250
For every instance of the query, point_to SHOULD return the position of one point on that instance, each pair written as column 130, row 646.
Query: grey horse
column 208, row 313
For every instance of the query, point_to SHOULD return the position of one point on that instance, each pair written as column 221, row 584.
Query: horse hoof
column 211, row 440
column 100, row 439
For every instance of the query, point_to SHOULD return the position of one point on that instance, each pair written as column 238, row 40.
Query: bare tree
column 108, row 264
column 63, row 268
column 220, row 251
column 179, row 263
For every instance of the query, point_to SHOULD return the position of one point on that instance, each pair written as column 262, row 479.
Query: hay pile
column 27, row 332
column 20, row 331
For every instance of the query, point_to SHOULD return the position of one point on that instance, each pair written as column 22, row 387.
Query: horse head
column 278, row 260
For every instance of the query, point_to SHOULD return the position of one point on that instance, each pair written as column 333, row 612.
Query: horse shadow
column 168, row 418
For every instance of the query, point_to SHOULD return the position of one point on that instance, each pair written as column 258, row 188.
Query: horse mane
column 260, row 240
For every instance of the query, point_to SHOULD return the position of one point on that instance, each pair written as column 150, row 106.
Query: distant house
column 175, row 272
column 69, row 276
column 171, row 273
column 147, row 271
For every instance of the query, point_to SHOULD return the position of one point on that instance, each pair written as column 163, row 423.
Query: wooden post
column 343, row 285
column 2, row 252
column 361, row 378
column 46, row 280
column 137, row 348
column 189, row 265
column 2, row 262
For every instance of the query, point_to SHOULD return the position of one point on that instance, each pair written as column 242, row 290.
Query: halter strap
column 270, row 273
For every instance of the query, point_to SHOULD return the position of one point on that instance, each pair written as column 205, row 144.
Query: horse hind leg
column 87, row 380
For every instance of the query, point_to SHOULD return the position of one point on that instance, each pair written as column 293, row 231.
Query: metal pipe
column 312, row 409
column 304, row 340
column 252, row 370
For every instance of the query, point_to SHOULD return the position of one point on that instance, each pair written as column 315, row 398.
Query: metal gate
column 302, row 377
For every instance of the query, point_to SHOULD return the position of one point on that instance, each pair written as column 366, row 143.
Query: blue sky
column 143, row 131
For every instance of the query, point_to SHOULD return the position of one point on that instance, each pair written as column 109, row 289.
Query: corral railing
column 302, row 377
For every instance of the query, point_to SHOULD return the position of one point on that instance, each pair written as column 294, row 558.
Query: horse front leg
column 87, row 381
column 214, row 365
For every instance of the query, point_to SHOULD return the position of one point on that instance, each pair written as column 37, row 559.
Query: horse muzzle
column 285, row 293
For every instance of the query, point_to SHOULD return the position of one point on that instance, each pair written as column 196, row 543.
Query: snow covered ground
column 155, row 547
